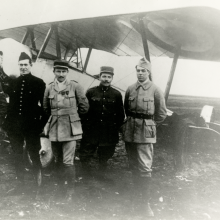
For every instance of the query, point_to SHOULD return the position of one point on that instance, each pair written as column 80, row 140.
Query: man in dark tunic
column 23, row 123
column 102, row 122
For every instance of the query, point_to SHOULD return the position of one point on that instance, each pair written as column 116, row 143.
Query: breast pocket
column 51, row 100
column 70, row 99
column 131, row 102
column 148, row 105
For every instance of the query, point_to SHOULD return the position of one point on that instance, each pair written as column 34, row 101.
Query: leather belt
column 140, row 115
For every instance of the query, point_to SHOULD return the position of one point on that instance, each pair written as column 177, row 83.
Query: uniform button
column 21, row 92
column 101, row 120
column 22, row 85
column 102, row 113
column 103, row 106
column 104, row 91
column 103, row 98
column 20, row 100
column 20, row 96
column 21, row 88
column 19, row 113
column 20, row 109
column 23, row 81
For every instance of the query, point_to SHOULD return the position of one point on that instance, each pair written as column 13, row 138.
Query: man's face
column 106, row 79
column 142, row 74
column 61, row 74
column 25, row 66
column 1, row 60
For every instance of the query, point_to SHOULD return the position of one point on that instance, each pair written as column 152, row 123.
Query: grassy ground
column 191, row 194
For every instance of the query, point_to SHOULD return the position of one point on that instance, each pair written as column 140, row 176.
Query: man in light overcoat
column 66, row 103
column 145, row 108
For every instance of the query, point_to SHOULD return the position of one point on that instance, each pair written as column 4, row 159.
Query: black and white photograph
column 110, row 110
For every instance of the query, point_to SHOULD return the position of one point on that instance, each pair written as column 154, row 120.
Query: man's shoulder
column 92, row 89
column 36, row 79
column 115, row 91
column 132, row 86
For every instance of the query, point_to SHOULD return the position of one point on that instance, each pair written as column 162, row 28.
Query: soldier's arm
column 120, row 111
column 41, row 93
column 46, row 102
column 160, row 106
column 126, row 101
column 82, row 101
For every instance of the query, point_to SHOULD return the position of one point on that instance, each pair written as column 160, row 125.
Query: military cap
column 24, row 56
column 61, row 64
column 107, row 69
column 144, row 63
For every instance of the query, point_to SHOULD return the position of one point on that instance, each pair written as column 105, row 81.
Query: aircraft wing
column 113, row 34
column 194, row 29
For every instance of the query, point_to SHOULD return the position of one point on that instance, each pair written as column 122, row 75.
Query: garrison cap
column 107, row 69
column 24, row 56
column 61, row 64
column 144, row 63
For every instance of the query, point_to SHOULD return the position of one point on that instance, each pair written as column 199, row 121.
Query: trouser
column 88, row 149
column 64, row 153
column 17, row 139
column 140, row 157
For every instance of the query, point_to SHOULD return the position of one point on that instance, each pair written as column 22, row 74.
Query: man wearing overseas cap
column 65, row 103
column 102, row 122
column 23, row 123
column 145, row 108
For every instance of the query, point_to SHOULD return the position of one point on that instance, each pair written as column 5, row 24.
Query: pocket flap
column 131, row 98
column 150, row 122
column 96, row 99
column 71, row 94
column 74, row 118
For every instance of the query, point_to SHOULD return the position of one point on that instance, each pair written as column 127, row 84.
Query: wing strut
column 87, row 59
column 144, row 41
column 46, row 40
column 172, row 71
column 57, row 41
column 144, row 38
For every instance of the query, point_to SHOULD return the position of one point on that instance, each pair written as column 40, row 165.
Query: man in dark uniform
column 23, row 117
column 102, row 122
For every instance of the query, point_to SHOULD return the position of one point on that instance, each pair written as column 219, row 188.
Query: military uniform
column 102, row 123
column 65, row 102
column 145, row 108
column 23, row 121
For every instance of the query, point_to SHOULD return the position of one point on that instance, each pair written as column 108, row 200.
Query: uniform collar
column 56, row 87
column 145, row 85
column 104, row 88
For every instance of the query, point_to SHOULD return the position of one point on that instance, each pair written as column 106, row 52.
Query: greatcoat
column 65, row 108
column 143, row 99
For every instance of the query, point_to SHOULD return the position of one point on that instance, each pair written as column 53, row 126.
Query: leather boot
column 19, row 172
column 145, row 189
column 86, row 170
column 70, row 177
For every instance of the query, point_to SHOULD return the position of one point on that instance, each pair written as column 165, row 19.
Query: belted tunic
column 65, row 108
column 145, row 108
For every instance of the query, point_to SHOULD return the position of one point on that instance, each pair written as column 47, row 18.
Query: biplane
column 188, row 32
